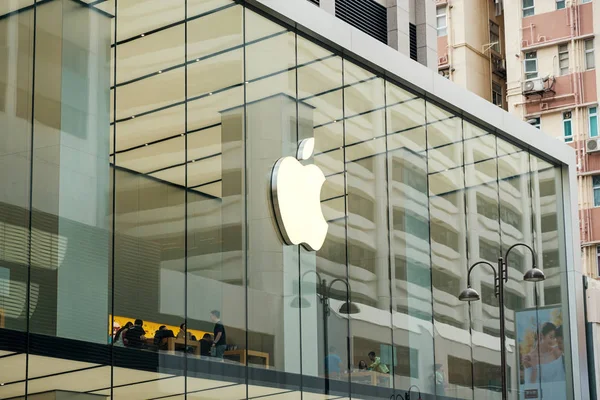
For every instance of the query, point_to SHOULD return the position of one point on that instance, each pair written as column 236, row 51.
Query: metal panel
column 366, row 15
column 413, row 41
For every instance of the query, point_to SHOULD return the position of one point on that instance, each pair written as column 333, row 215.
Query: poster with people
column 541, row 353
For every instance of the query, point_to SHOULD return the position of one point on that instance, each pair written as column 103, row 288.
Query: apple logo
column 296, row 199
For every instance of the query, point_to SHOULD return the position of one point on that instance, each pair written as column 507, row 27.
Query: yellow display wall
column 151, row 327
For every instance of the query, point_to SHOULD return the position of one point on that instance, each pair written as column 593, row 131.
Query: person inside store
column 219, row 344
column 376, row 364
column 136, row 335
column 362, row 365
column 333, row 363
column 205, row 345
column 161, row 336
column 119, row 339
column 184, row 333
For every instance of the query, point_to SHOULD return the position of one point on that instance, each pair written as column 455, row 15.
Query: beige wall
column 468, row 38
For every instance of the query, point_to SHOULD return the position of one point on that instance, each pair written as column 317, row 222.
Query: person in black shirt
column 136, row 335
column 160, row 337
column 220, row 339
column 206, row 345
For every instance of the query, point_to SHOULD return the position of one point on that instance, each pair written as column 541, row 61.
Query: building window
column 586, row 1
column 560, row 4
column 531, row 71
column 442, row 26
column 596, row 184
column 593, row 116
column 567, row 127
column 496, row 94
column 563, row 59
column 528, row 8
column 536, row 122
column 590, row 63
column 495, row 37
column 598, row 258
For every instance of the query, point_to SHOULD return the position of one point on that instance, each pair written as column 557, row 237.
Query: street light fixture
column 324, row 290
column 407, row 394
column 470, row 294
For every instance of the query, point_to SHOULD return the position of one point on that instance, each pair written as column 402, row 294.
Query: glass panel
column 273, row 267
column 149, row 194
column 216, row 271
column 320, row 87
column 413, row 355
column 16, row 68
column 368, row 254
column 516, row 227
column 452, row 373
column 483, row 245
column 553, row 367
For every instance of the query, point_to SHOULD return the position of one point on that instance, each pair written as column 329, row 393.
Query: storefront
column 139, row 149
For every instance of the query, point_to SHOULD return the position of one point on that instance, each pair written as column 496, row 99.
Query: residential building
column 553, row 83
column 471, row 48
column 141, row 148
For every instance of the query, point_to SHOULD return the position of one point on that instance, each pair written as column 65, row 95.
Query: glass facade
column 136, row 148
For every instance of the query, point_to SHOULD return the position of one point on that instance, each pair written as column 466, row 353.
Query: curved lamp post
column 324, row 289
column 470, row 294
column 407, row 394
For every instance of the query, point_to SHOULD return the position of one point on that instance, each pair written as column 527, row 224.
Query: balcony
column 567, row 90
column 557, row 26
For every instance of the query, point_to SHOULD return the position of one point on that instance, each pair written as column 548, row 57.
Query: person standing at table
column 220, row 339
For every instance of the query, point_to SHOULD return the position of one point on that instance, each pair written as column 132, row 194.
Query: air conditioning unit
column 533, row 85
column 592, row 145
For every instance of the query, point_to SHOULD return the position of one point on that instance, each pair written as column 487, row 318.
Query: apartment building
column 408, row 26
column 552, row 82
column 471, row 49
column 537, row 59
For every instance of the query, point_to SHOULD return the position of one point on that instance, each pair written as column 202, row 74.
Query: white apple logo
column 296, row 197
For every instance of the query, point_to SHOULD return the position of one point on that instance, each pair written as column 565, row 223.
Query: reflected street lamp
column 470, row 294
column 407, row 394
column 324, row 290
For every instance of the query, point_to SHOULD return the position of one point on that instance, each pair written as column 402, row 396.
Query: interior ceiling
column 151, row 117
column 48, row 374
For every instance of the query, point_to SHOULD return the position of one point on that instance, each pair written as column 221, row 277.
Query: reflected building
column 137, row 146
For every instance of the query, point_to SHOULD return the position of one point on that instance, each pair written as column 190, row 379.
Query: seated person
column 136, row 335
column 206, row 344
column 183, row 333
column 161, row 335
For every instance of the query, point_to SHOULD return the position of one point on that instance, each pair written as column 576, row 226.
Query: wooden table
column 172, row 343
column 244, row 354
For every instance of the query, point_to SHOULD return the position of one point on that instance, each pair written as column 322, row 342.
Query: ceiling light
column 142, row 35
column 133, row 116
column 146, row 144
column 197, row 59
column 160, row 72
column 210, row 94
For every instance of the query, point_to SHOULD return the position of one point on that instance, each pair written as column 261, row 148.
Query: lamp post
column 407, row 394
column 324, row 290
column 470, row 294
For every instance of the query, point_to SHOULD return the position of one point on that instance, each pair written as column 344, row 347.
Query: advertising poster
column 541, row 357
